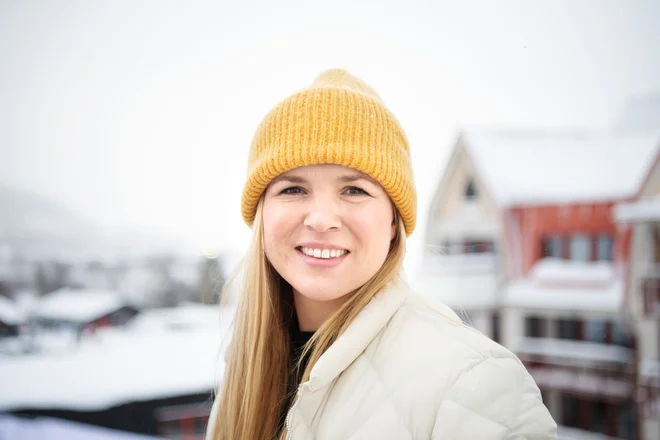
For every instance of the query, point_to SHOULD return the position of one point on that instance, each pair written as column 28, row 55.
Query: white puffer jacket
column 405, row 370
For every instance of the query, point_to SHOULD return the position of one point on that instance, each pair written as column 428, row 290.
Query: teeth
column 323, row 253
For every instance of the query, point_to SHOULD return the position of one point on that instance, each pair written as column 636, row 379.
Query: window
column 570, row 408
column 627, row 421
column 471, row 246
column 596, row 331
column 534, row 327
column 621, row 335
column 552, row 247
column 598, row 417
column 604, row 248
column 470, row 190
column 569, row 329
column 580, row 248
column 478, row 246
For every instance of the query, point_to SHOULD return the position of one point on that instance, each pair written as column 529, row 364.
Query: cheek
column 374, row 229
column 270, row 220
column 278, row 224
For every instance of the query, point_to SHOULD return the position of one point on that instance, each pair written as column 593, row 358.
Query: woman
column 329, row 343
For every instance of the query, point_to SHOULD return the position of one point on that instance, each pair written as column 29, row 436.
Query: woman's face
column 327, row 229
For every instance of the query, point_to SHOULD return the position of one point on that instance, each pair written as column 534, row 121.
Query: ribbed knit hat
column 337, row 120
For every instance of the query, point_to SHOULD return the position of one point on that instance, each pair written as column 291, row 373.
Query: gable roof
column 79, row 305
column 527, row 168
column 639, row 113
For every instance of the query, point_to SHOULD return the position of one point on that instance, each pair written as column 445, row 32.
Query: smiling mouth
column 322, row 253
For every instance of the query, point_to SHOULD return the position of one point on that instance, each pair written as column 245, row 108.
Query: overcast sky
column 143, row 112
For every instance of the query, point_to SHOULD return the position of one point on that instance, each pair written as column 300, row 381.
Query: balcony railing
column 579, row 367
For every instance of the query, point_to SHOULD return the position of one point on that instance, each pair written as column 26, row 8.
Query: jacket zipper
column 290, row 414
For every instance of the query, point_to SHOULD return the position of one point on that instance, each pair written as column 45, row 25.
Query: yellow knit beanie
column 337, row 120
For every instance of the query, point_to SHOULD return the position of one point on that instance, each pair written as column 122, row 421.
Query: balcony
column 579, row 367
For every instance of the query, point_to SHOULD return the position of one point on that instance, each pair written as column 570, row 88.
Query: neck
column 312, row 314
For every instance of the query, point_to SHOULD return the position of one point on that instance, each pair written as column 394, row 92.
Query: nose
column 323, row 215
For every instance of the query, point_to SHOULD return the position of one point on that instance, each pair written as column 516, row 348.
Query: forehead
column 332, row 171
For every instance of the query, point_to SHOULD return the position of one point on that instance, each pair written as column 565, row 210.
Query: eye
column 355, row 191
column 292, row 190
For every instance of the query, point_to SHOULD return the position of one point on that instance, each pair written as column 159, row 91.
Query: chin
column 316, row 291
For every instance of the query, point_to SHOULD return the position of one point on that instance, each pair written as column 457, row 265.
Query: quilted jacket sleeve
column 495, row 399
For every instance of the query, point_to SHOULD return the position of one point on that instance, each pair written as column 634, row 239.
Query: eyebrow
column 347, row 178
column 291, row 179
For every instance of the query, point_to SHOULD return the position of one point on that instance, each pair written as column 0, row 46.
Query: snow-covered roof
column 522, row 168
column 639, row 113
column 555, row 284
column 573, row 353
column 79, row 305
column 10, row 312
column 46, row 428
column 119, row 366
column 639, row 211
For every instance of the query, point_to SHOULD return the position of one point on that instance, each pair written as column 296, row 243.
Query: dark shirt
column 297, row 343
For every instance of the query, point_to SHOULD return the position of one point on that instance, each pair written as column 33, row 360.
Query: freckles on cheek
column 276, row 231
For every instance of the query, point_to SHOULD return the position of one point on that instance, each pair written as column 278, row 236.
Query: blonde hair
column 254, row 390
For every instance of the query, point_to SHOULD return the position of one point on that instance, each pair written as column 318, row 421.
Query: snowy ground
column 165, row 352
column 44, row 428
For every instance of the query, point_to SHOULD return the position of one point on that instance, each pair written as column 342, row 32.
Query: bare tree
column 212, row 280
column 51, row 276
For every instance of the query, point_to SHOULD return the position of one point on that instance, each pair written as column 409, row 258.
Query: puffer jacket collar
column 364, row 328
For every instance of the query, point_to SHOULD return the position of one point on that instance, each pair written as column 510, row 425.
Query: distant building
column 11, row 318
column 522, row 241
column 155, row 377
column 83, row 311
column 639, row 219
